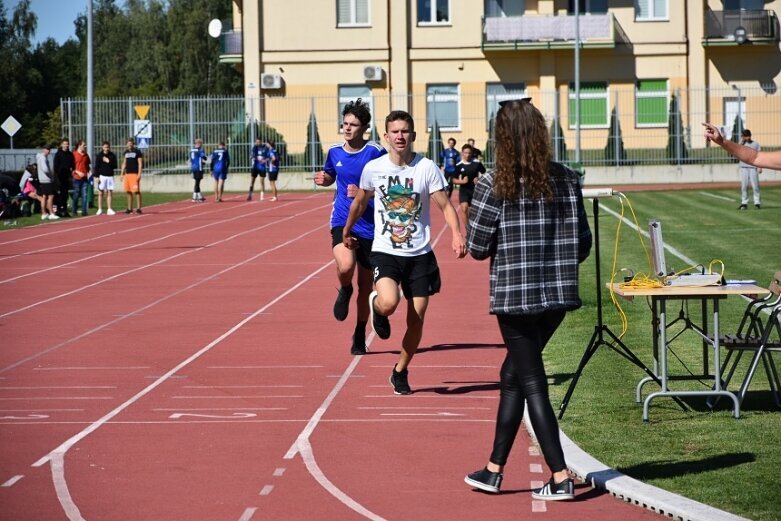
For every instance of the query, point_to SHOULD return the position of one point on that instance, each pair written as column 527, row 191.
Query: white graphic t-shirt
column 402, row 223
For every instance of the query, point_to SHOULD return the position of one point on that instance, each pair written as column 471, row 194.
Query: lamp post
column 90, row 76
column 577, row 83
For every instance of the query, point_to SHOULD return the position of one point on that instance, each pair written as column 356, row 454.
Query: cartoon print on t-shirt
column 401, row 210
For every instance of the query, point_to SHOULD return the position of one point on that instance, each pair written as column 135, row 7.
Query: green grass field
column 705, row 455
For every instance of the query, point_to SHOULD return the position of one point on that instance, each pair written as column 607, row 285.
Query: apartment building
column 453, row 61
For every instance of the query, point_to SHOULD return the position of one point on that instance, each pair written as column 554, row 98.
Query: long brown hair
column 523, row 152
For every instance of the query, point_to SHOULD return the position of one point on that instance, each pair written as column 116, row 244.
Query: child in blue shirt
column 220, row 161
column 197, row 160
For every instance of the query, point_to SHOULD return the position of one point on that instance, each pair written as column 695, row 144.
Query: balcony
column 231, row 47
column 761, row 27
column 518, row 33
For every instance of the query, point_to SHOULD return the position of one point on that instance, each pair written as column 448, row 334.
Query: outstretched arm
column 451, row 218
column 743, row 153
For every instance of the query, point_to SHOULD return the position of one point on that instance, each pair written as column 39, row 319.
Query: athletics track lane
column 188, row 376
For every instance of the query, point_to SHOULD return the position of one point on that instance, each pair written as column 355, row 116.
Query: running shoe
column 398, row 379
column 342, row 304
column 99, row 212
column 53, row 216
column 110, row 212
column 138, row 211
column 380, row 323
column 555, row 492
column 128, row 211
column 485, row 480
column 359, row 346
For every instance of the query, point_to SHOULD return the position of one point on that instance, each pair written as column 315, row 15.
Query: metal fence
column 618, row 126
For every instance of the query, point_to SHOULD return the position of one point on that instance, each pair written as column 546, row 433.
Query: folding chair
column 759, row 332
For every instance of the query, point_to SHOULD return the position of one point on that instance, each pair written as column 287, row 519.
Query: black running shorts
column 362, row 254
column 418, row 276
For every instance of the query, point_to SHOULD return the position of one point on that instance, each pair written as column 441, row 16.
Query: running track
column 185, row 365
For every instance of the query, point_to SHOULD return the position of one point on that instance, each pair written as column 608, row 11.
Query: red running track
column 185, row 365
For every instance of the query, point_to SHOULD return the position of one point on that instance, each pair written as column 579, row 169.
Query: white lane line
column 419, row 408
column 266, row 490
column 265, row 367
column 448, row 367
column 154, row 303
column 535, row 468
column 224, row 397
column 66, row 445
column 248, row 513
column 240, row 386
column 23, row 398
column 146, row 266
column 533, row 450
column 219, row 409
column 12, row 481
column 27, row 388
column 61, row 487
column 41, row 410
column 420, row 414
column 279, row 471
column 420, row 396
column 539, row 506
column 91, row 368
column 715, row 196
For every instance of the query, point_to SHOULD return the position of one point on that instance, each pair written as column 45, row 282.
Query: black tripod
column 600, row 330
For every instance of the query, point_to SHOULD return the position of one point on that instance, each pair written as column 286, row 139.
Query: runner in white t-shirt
column 403, row 184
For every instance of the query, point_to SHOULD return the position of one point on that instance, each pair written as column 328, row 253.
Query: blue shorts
column 220, row 176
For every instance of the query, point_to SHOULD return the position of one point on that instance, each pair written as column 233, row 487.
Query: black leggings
column 522, row 378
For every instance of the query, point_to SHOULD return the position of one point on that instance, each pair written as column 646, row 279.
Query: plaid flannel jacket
column 535, row 246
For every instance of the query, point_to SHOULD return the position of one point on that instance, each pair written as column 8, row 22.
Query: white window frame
column 353, row 7
column 444, row 97
column 344, row 99
column 501, row 96
column 652, row 16
column 432, row 15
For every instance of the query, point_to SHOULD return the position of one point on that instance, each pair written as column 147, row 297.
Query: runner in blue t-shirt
column 448, row 159
column 259, row 158
column 220, row 162
column 344, row 165
column 272, row 167
column 197, row 159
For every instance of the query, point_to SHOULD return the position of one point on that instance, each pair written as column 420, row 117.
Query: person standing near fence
column 63, row 170
column 105, row 164
column 259, row 158
column 220, row 161
column 749, row 174
column 45, row 183
column 403, row 184
column 343, row 166
column 197, row 160
column 528, row 218
column 81, row 178
column 272, row 167
column 132, row 167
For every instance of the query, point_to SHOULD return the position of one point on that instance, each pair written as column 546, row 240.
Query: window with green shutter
column 593, row 105
column 651, row 98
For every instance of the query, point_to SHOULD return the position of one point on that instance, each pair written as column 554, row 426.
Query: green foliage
column 488, row 153
column 435, row 145
column 676, row 146
column 614, row 149
column 313, row 152
column 558, row 144
column 737, row 127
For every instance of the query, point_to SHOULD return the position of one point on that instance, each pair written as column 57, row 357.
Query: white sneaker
column 100, row 211
column 110, row 212
column 53, row 217
column 44, row 216
column 262, row 195
column 273, row 199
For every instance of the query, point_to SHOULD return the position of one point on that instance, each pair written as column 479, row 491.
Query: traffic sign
column 142, row 110
column 11, row 126
column 143, row 142
column 142, row 128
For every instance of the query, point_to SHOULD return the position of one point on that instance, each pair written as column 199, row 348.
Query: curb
column 630, row 490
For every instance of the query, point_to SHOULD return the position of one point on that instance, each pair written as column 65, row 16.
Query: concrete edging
column 631, row 490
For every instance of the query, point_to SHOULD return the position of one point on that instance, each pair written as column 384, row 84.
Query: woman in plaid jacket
column 528, row 218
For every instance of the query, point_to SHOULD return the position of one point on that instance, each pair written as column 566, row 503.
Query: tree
column 676, row 146
column 435, row 146
column 614, row 150
column 313, row 152
column 737, row 128
column 490, row 144
column 558, row 144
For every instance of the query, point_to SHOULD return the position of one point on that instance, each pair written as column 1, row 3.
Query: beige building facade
column 452, row 61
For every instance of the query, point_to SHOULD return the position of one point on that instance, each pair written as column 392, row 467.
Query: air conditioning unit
column 270, row 81
column 372, row 73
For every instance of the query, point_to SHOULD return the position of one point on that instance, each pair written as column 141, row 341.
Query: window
column 433, row 11
column 649, row 10
column 748, row 5
column 588, row 6
column 348, row 93
column 497, row 8
column 593, row 105
column 442, row 106
column 496, row 92
column 651, row 103
column 352, row 12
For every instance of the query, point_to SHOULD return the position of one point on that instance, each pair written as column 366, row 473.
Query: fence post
column 191, row 117
column 312, row 155
column 130, row 118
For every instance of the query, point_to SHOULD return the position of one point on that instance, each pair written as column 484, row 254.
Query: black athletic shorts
column 418, row 276
column 272, row 176
column 46, row 189
column 362, row 254
column 197, row 175
column 257, row 172
column 465, row 194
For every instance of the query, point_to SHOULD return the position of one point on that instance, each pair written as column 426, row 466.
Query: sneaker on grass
column 485, row 480
column 398, row 379
column 555, row 492
column 342, row 304
column 380, row 323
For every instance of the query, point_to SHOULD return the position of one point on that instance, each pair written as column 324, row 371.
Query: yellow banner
column 142, row 111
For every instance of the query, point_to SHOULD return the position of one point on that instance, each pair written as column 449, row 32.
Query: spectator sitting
column 29, row 190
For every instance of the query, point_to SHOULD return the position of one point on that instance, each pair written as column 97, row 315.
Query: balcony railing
column 720, row 26
column 231, row 44
column 548, row 31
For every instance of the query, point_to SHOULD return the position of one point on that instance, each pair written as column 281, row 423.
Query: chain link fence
column 647, row 125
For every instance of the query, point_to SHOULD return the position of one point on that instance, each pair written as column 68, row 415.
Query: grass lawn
column 705, row 455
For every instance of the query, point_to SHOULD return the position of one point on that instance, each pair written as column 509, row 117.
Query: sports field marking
column 223, row 397
column 248, row 513
column 61, row 387
column 92, row 368
column 169, row 409
column 238, row 386
column 716, row 196
column 265, row 367
column 12, row 481
column 266, row 490
column 53, row 398
column 535, row 468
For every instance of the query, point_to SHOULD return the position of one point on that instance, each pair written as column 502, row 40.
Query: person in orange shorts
column 132, row 165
